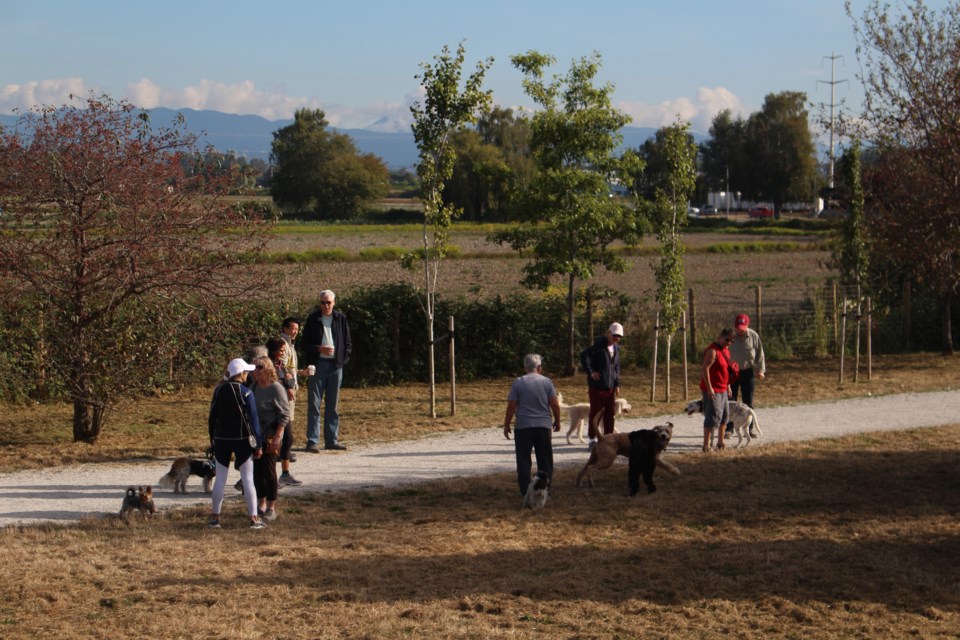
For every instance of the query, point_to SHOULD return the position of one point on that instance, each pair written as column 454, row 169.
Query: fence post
column 836, row 337
column 692, row 303
column 666, row 366
column 759, row 305
column 869, row 313
column 856, row 342
column 453, row 372
column 683, row 334
column 843, row 331
column 656, row 341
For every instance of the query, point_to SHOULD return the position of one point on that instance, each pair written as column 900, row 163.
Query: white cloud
column 699, row 113
column 245, row 98
column 240, row 98
column 24, row 97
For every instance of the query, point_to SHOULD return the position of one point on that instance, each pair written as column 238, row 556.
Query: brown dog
column 609, row 446
column 139, row 500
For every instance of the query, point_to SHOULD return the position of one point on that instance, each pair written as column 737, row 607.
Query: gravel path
column 65, row 494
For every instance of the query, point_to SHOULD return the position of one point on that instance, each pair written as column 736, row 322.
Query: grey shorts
column 714, row 410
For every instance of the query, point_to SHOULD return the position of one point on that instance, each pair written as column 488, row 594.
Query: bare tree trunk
column 653, row 369
column 666, row 365
column 947, row 324
column 428, row 293
column 571, row 334
column 686, row 374
column 453, row 370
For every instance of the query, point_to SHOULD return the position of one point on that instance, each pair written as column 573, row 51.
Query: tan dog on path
column 581, row 411
column 578, row 415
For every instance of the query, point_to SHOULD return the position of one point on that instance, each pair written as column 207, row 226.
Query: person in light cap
column 747, row 351
column 601, row 362
column 234, row 430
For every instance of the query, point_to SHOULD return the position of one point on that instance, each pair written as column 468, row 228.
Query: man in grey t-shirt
column 532, row 399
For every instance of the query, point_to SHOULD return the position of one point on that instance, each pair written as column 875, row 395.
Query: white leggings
column 249, row 491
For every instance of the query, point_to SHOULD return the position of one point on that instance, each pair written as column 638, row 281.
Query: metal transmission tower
column 833, row 84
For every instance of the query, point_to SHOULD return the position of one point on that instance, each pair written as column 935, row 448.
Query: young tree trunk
column 947, row 325
column 571, row 334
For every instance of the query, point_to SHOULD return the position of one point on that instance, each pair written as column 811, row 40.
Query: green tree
column 569, row 217
column 480, row 178
column 851, row 249
column 910, row 68
column 101, row 232
column 782, row 157
column 445, row 109
column 725, row 161
column 321, row 170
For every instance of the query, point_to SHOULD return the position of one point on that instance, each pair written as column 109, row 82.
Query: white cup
column 311, row 370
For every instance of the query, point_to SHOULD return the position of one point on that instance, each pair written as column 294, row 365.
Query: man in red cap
column 747, row 351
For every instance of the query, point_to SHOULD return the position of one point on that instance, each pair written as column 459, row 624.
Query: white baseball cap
column 616, row 329
column 236, row 367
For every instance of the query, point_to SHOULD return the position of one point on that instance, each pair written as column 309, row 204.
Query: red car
column 760, row 212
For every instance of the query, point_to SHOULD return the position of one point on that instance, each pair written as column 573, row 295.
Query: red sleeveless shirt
column 719, row 371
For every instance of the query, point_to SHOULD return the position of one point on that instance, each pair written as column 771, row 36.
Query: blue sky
column 357, row 59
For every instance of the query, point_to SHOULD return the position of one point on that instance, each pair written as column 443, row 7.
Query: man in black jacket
column 326, row 345
column 601, row 362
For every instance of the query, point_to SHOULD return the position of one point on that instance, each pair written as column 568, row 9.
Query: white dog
column 580, row 412
column 537, row 491
column 578, row 415
column 743, row 418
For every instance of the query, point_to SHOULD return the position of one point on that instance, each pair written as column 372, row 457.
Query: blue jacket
column 597, row 358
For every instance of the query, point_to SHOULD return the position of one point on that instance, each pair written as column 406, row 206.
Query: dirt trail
column 65, row 494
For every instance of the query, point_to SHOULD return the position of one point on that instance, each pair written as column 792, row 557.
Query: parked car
column 693, row 212
column 760, row 212
column 708, row 210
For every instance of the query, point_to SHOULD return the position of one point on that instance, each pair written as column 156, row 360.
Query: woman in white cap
column 235, row 432
column 601, row 363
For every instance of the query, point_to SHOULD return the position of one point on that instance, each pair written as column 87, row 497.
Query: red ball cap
column 743, row 320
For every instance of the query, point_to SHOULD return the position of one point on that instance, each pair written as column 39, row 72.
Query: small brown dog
column 140, row 500
column 609, row 446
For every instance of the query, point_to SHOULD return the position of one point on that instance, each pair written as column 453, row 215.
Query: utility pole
column 833, row 83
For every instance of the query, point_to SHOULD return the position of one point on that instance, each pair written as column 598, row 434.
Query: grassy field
column 848, row 538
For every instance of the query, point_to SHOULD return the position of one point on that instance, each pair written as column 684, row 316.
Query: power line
column 833, row 83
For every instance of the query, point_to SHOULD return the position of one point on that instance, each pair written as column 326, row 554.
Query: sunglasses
column 260, row 366
column 325, row 302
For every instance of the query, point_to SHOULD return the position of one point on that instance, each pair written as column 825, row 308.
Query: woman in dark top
column 234, row 429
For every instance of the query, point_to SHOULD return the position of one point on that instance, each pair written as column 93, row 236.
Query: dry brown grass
column 856, row 537
column 848, row 538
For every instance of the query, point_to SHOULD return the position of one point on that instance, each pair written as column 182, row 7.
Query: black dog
column 646, row 445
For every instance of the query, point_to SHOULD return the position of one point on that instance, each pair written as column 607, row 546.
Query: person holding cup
column 326, row 346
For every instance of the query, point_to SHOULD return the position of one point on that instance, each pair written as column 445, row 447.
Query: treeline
column 389, row 337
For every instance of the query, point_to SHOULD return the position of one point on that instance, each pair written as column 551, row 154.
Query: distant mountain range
column 250, row 136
